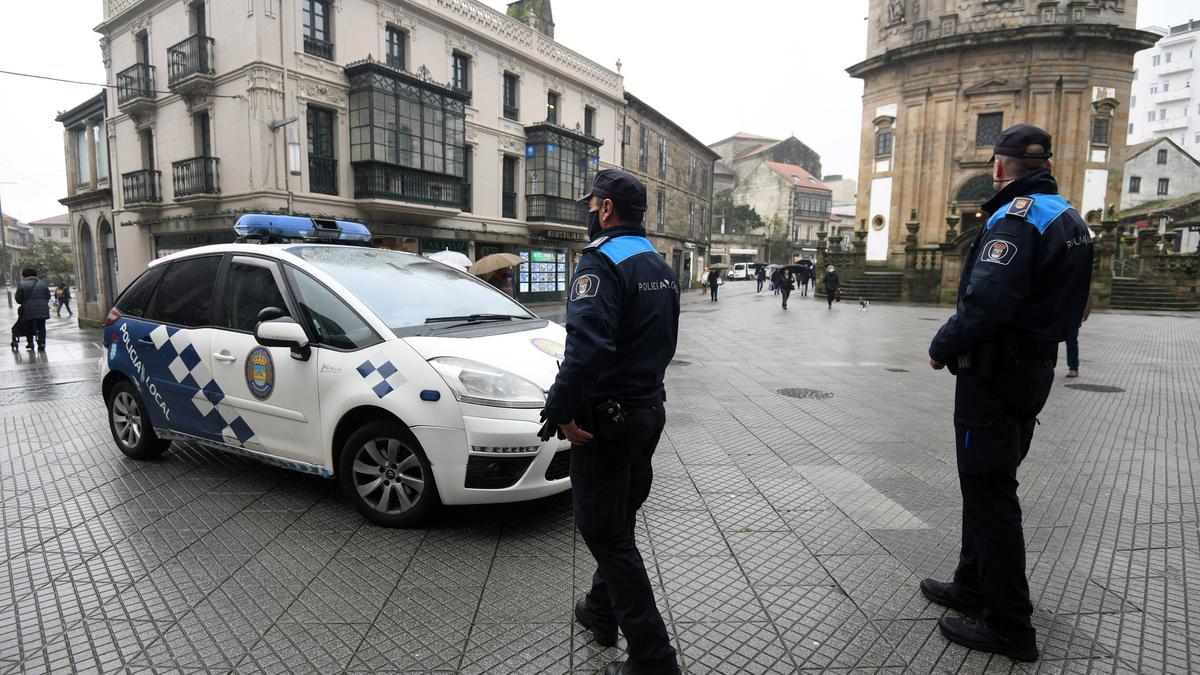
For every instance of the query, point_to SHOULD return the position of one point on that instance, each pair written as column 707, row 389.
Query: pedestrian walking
column 501, row 279
column 714, row 282
column 33, row 295
column 622, row 326
column 831, row 285
column 802, row 277
column 1073, row 343
column 760, row 275
column 64, row 300
column 786, row 286
column 776, row 277
column 1023, row 290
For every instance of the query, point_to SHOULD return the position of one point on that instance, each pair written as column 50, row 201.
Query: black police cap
column 1015, row 141
column 622, row 187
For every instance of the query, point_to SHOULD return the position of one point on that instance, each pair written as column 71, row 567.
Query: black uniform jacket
column 622, row 324
column 1027, row 273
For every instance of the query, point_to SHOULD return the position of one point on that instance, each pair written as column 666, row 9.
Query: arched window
column 108, row 263
column 88, row 260
column 976, row 190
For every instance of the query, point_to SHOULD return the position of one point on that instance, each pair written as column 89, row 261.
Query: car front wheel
column 385, row 474
column 130, row 426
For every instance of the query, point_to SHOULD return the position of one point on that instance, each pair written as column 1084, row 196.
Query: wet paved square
column 783, row 534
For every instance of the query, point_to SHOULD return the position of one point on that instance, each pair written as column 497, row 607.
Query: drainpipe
column 287, row 183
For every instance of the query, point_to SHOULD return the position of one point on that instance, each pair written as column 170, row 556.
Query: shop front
column 544, row 274
column 174, row 242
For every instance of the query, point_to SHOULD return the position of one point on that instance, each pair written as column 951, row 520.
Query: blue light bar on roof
column 271, row 227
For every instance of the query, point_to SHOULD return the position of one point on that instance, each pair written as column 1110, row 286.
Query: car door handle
column 224, row 357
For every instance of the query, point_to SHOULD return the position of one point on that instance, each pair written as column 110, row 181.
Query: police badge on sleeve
column 999, row 251
column 585, row 286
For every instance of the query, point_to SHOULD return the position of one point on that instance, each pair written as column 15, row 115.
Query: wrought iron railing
column 511, row 112
column 508, row 204
column 136, row 81
column 466, row 202
column 195, row 176
column 318, row 47
column 544, row 208
column 322, row 175
column 380, row 180
column 193, row 56
column 141, row 187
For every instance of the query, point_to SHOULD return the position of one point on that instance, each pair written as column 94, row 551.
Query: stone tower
column 536, row 13
column 943, row 77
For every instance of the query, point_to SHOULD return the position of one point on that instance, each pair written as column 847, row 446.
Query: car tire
column 385, row 474
column 130, row 425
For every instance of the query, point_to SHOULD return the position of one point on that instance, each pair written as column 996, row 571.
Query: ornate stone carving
column 315, row 90
column 488, row 19
column 572, row 61
column 115, row 7
column 263, row 78
column 142, row 23
column 105, row 56
column 512, row 144
column 197, row 98
column 895, row 11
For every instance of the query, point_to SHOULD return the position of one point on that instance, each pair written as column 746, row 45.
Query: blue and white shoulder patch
column 585, row 286
column 1038, row 210
column 620, row 249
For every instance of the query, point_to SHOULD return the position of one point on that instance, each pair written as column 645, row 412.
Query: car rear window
column 184, row 296
column 133, row 301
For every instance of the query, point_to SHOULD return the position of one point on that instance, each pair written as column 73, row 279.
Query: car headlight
column 475, row 382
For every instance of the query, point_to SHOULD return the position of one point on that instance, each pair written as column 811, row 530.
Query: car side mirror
column 283, row 332
column 270, row 313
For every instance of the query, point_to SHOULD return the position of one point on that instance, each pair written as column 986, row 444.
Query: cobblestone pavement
column 783, row 533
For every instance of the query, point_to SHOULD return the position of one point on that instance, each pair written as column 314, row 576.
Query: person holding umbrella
column 714, row 280
column 496, row 269
column 786, row 285
column 760, row 275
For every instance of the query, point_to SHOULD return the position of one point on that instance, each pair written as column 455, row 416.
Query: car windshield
column 411, row 293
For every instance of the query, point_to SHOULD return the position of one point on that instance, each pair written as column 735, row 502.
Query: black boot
column 604, row 633
column 975, row 634
column 945, row 595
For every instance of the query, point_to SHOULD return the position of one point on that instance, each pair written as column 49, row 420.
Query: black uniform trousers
column 610, row 480
column 993, row 424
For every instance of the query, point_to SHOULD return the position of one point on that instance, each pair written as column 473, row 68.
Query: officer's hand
column 574, row 434
column 935, row 364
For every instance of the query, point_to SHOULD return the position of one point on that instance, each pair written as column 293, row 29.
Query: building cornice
column 100, row 197
column 1133, row 40
column 643, row 108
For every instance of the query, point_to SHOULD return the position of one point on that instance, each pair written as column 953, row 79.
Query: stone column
column 1104, row 251
column 952, row 220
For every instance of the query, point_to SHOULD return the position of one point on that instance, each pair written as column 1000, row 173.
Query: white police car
column 411, row 382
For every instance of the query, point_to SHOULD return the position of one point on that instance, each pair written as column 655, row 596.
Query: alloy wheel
column 388, row 475
column 127, row 419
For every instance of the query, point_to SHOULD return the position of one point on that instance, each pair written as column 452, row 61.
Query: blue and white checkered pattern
column 217, row 421
column 384, row 378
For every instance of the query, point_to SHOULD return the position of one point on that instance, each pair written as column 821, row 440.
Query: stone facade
column 785, row 195
column 943, row 77
column 679, row 187
column 89, row 202
column 261, row 114
column 1157, row 171
column 55, row 228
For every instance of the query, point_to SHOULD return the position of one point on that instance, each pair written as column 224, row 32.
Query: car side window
column 330, row 319
column 184, row 295
column 249, row 289
column 135, row 298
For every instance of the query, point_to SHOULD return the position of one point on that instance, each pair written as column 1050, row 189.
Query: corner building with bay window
column 441, row 124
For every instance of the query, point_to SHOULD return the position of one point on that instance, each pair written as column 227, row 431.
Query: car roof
column 270, row 250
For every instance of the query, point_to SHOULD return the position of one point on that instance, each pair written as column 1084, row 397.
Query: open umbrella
column 451, row 258
column 496, row 261
column 718, row 266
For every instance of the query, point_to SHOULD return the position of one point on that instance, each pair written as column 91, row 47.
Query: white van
column 741, row 271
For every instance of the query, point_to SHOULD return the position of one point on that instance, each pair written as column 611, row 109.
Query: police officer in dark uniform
column 622, row 323
column 1024, row 287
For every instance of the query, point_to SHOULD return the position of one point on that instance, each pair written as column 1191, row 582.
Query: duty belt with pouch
column 608, row 420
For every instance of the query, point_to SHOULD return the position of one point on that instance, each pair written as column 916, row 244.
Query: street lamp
column 4, row 247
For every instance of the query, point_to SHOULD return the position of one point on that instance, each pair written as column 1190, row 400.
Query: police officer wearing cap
column 1024, row 287
column 622, row 324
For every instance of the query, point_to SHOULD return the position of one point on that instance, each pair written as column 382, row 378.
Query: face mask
column 593, row 224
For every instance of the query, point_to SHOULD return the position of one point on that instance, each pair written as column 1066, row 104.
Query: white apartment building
column 442, row 124
column 1164, row 104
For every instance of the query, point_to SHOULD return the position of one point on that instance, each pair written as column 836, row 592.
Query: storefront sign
column 564, row 235
column 435, row 245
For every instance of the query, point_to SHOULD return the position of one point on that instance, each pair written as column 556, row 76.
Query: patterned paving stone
column 781, row 535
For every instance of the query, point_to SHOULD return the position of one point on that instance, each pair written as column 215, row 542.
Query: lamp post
column 4, row 248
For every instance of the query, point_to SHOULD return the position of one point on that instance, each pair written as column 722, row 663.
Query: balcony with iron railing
column 135, row 88
column 322, row 175
column 512, row 113
column 318, row 47
column 545, row 208
column 508, row 204
column 380, row 180
column 195, row 177
column 141, row 188
column 190, row 64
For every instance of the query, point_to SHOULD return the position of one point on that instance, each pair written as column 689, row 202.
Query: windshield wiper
column 475, row 318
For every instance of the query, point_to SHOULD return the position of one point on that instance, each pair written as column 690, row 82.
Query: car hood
column 532, row 354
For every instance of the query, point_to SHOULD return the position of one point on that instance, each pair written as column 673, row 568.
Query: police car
column 410, row 382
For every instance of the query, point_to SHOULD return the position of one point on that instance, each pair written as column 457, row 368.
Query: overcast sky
column 769, row 67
